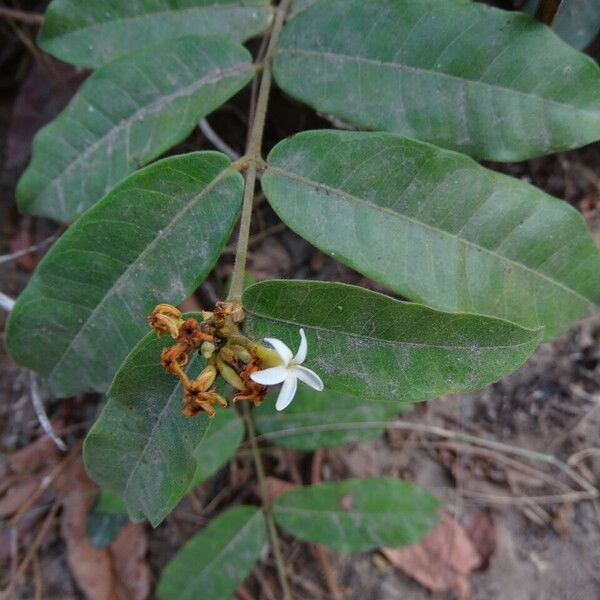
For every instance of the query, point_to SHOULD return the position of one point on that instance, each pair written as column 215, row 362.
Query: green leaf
column 358, row 514
column 224, row 435
column 91, row 33
column 153, row 239
column 124, row 116
column 371, row 346
column 215, row 562
column 577, row 21
column 142, row 447
column 106, row 519
column 323, row 419
column 436, row 227
column 456, row 73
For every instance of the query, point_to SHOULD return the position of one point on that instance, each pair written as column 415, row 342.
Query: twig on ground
column 13, row 14
column 45, row 483
column 6, row 302
column 212, row 136
column 40, row 412
column 37, row 542
column 590, row 491
column 319, row 552
column 4, row 258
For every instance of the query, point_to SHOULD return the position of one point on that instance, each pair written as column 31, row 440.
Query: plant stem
column 262, row 483
column 253, row 156
column 546, row 11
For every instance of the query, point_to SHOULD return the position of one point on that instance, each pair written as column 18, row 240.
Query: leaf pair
column 355, row 515
column 489, row 83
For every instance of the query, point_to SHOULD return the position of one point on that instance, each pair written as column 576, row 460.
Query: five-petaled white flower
column 288, row 372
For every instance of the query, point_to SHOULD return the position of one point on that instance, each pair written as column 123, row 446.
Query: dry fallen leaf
column 33, row 457
column 116, row 572
column 276, row 487
column 16, row 495
column 442, row 561
column 481, row 529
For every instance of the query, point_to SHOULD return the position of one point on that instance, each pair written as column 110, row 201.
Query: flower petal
column 309, row 378
column 301, row 354
column 288, row 391
column 271, row 376
column 284, row 352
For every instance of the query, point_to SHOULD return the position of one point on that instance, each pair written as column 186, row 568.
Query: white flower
column 288, row 372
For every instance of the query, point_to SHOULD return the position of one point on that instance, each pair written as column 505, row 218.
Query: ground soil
column 542, row 550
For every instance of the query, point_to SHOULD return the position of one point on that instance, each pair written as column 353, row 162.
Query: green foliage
column 90, row 33
column 577, row 21
column 357, row 514
column 124, row 116
column 436, row 227
column 371, row 346
column 510, row 265
column 142, row 447
column 224, row 434
column 153, row 239
column 106, row 519
column 322, row 419
column 217, row 559
column 456, row 73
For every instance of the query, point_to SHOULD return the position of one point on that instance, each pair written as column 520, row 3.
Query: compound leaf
column 125, row 115
column 373, row 347
column 436, row 227
column 487, row 82
column 153, row 239
column 92, row 33
column 358, row 514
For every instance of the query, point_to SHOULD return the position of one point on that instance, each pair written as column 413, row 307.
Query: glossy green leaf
column 225, row 433
column 215, row 562
column 456, row 73
column 322, row 419
column 142, row 447
column 124, row 116
column 577, row 21
column 436, row 227
column 90, row 33
column 371, row 346
column 153, row 239
column 358, row 514
column 106, row 519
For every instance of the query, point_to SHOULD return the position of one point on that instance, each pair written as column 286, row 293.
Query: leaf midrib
column 225, row 548
column 361, row 201
column 255, row 313
column 155, row 427
column 430, row 72
column 349, row 513
column 154, row 242
column 145, row 110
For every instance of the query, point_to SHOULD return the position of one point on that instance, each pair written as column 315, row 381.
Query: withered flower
column 165, row 319
column 196, row 399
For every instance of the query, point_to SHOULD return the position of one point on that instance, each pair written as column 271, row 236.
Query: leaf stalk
column 253, row 155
